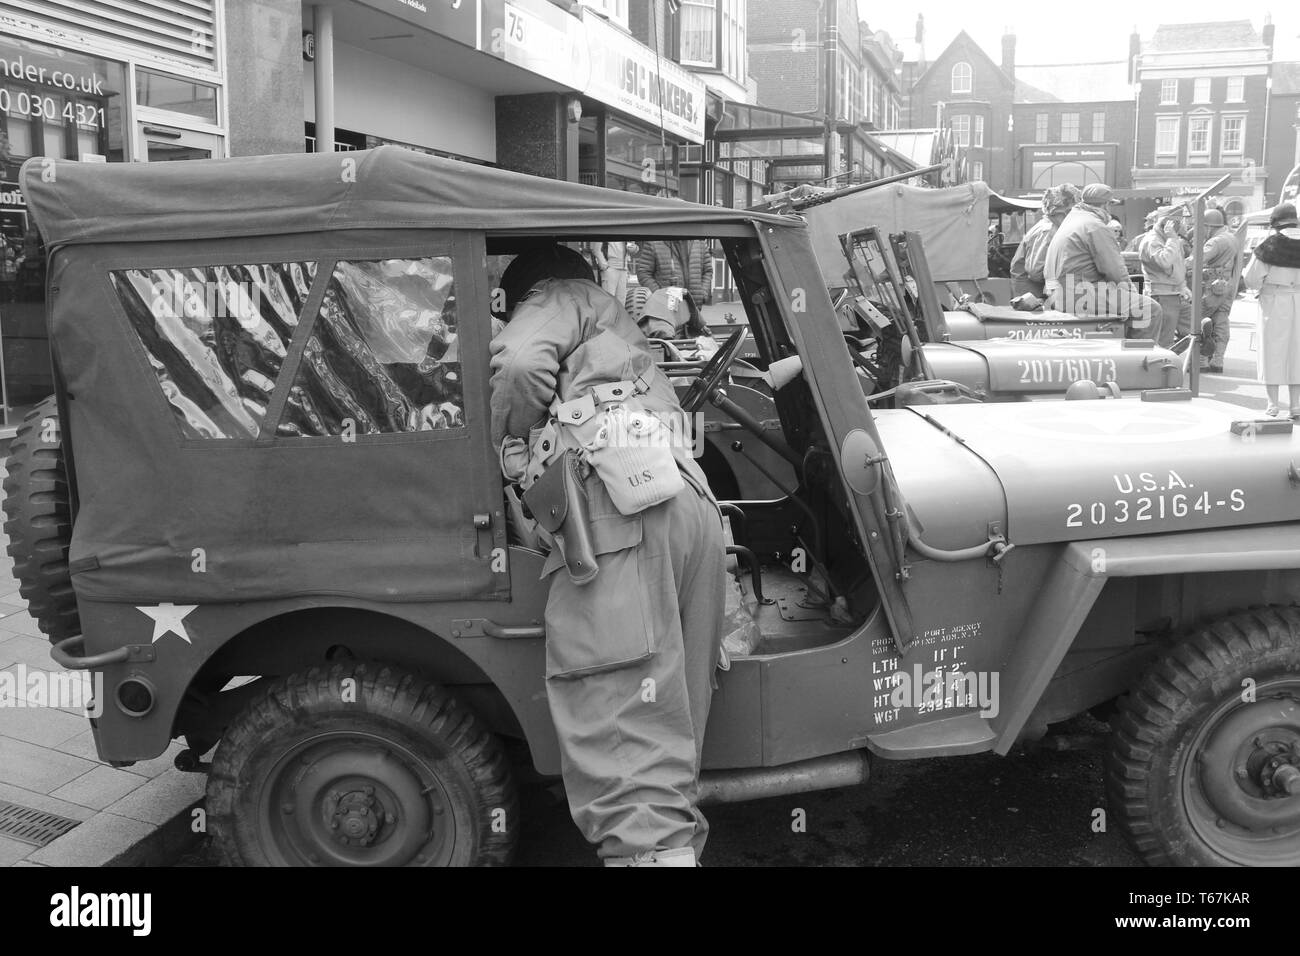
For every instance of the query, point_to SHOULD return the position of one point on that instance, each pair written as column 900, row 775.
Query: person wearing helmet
column 1218, row 288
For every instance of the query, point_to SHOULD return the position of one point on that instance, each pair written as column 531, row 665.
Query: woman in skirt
column 1275, row 272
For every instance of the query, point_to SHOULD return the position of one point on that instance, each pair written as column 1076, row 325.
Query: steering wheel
column 710, row 376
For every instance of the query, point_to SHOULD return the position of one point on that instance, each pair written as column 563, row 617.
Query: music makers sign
column 625, row 75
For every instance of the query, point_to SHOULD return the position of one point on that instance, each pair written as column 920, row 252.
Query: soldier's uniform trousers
column 630, row 661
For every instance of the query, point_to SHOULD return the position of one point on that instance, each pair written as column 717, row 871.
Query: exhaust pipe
column 849, row 769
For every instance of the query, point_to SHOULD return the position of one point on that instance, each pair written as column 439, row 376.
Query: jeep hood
column 1060, row 471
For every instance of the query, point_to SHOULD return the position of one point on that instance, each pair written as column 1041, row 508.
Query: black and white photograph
column 647, row 433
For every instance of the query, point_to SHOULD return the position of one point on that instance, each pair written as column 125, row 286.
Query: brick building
column 1073, row 123
column 787, row 56
column 1203, row 96
column 1283, row 129
column 965, row 90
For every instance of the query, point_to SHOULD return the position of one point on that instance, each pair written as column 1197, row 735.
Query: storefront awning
column 1006, row 204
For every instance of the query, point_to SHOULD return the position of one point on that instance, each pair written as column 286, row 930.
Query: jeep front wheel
column 360, row 765
column 1204, row 768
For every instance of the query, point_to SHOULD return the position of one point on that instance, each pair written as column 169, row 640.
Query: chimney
column 1268, row 33
column 1134, row 51
column 1009, row 55
column 920, row 40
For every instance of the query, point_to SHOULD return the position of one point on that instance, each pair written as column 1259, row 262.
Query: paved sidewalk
column 48, row 763
column 1238, row 384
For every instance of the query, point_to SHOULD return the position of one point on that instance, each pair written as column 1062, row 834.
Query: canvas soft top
column 388, row 187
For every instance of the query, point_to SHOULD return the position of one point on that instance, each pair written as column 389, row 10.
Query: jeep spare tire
column 39, row 521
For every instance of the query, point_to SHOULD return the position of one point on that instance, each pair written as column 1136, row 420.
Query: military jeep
column 264, row 505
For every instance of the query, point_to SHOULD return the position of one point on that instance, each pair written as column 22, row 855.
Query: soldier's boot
column 683, row 856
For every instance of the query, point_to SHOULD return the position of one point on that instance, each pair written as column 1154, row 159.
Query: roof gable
column 953, row 53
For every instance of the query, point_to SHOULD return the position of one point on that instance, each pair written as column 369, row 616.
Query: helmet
column 665, row 313
column 1214, row 218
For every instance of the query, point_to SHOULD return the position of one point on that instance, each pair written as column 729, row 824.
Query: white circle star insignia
column 169, row 618
column 1114, row 422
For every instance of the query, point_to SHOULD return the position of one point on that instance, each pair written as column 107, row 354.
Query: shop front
column 1044, row 165
column 104, row 83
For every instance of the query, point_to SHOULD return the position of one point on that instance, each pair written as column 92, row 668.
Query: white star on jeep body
column 169, row 618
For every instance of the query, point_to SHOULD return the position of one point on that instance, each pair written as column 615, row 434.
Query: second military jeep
column 265, row 507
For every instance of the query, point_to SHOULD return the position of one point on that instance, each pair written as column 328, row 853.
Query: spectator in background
column 1275, row 271
column 611, row 259
column 687, row 263
column 1117, row 230
column 1152, row 218
column 1164, row 275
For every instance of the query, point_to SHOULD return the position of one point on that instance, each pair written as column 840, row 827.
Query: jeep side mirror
column 860, row 458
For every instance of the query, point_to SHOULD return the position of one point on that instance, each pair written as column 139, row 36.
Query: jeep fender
column 1072, row 587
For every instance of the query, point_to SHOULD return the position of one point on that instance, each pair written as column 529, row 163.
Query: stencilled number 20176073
column 1157, row 507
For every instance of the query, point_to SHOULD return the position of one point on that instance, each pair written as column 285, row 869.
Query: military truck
column 264, row 507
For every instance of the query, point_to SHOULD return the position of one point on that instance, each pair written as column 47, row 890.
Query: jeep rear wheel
column 360, row 765
column 39, row 521
column 1204, row 768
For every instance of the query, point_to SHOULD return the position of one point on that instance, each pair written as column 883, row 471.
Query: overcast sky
column 1044, row 34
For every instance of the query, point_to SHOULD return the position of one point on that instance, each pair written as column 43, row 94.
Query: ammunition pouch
column 559, row 504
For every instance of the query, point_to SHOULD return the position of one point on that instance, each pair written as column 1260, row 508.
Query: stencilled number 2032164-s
column 1158, row 506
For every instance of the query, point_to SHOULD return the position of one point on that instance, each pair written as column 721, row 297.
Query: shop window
column 161, row 92
column 60, row 104
column 216, row 337
column 963, row 78
column 1075, row 172
column 383, row 356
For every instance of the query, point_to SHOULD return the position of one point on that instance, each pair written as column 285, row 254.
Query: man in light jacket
column 1164, row 274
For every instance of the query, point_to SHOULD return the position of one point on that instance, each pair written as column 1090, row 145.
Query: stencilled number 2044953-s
column 1148, row 497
